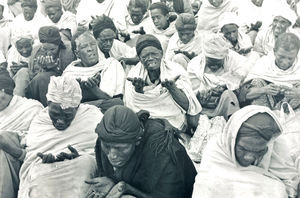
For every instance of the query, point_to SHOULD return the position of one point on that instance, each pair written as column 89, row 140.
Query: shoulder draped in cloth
column 60, row 178
column 156, row 97
column 273, row 177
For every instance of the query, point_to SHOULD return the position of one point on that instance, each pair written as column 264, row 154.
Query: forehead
column 135, row 10
column 107, row 33
column 114, row 144
column 85, row 38
column 287, row 53
column 148, row 50
column 281, row 19
column 213, row 60
column 252, row 143
column 23, row 41
column 156, row 12
column 56, row 108
column 230, row 28
column 187, row 31
column 52, row 9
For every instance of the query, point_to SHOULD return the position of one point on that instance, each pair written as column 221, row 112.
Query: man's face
column 106, row 39
column 24, row 47
column 151, row 57
column 214, row 64
column 186, row 35
column 136, row 15
column 87, row 50
column 250, row 150
column 118, row 154
column 28, row 12
column 284, row 59
column 4, row 100
column 160, row 21
column 280, row 25
column 216, row 3
column 54, row 13
column 258, row 3
column 61, row 118
column 50, row 49
column 230, row 32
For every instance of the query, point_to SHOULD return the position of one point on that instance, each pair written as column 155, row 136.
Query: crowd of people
column 115, row 98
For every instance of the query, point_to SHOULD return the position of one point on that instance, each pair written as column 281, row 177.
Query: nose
column 112, row 154
column 249, row 157
column 60, row 122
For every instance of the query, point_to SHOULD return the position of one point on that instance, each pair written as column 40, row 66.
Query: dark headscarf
column 103, row 22
column 7, row 84
column 121, row 125
column 32, row 3
column 50, row 34
column 147, row 40
column 260, row 125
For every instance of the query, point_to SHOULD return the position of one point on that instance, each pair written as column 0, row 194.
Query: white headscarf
column 64, row 90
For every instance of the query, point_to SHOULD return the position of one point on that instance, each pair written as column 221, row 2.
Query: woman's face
column 151, row 57
column 284, row 59
column 118, row 154
column 216, row 3
column 250, row 150
column 160, row 20
column 4, row 100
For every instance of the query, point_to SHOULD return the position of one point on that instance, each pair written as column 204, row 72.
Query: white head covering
column 64, row 90
column 215, row 46
column 228, row 18
column 283, row 10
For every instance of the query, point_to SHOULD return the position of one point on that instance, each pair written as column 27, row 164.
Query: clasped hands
column 50, row 158
column 290, row 93
column 139, row 83
column 187, row 54
column 210, row 99
column 105, row 187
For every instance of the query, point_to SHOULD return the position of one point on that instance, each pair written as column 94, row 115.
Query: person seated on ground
column 64, row 21
column 16, row 114
column 186, row 43
column 265, row 40
column 236, row 39
column 105, row 33
column 101, row 80
column 162, row 25
column 29, row 22
column 5, row 29
column 246, row 159
column 49, row 168
column 141, row 157
column 275, row 78
column 137, row 20
column 18, row 58
column 50, row 58
column 211, row 10
column 215, row 74
column 158, row 86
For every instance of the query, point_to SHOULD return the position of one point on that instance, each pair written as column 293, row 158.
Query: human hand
column 100, row 187
column 62, row 156
column 138, row 84
column 46, row 158
column 92, row 81
column 292, row 93
column 272, row 89
column 47, row 62
column 245, row 51
column 170, row 84
column 117, row 191
column 217, row 91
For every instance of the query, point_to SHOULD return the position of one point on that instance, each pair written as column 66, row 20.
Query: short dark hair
column 162, row 6
column 287, row 41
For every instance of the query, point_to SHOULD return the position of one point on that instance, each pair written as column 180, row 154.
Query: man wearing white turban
column 65, row 125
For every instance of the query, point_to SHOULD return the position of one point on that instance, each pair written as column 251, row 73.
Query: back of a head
column 161, row 6
column 287, row 41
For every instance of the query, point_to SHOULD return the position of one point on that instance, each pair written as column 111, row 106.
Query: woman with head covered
column 60, row 144
column 245, row 160
column 140, row 157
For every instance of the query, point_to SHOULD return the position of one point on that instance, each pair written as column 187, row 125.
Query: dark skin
column 50, row 158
